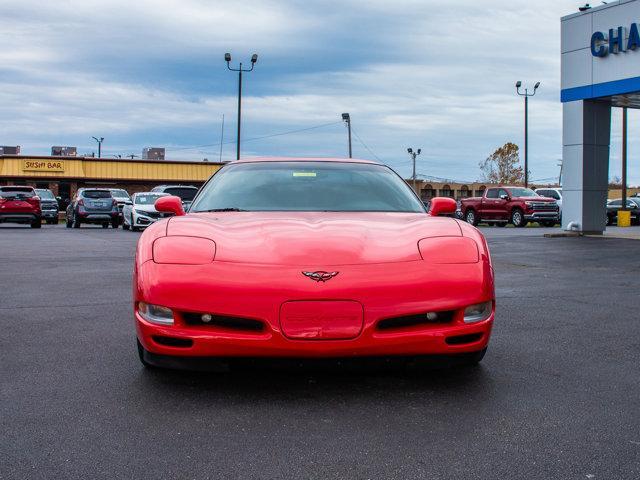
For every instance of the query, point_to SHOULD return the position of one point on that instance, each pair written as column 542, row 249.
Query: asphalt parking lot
column 557, row 396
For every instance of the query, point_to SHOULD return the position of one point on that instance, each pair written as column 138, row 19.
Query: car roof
column 151, row 193
column 304, row 159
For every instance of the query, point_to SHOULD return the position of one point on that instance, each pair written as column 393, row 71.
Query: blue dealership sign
column 602, row 45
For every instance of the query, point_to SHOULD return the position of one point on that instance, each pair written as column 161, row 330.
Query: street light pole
column 526, row 96
column 99, row 140
column 347, row 119
column 254, row 59
column 413, row 156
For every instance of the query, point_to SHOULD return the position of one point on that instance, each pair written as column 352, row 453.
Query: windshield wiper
column 227, row 209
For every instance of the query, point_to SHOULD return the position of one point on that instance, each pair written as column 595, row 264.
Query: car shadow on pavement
column 273, row 383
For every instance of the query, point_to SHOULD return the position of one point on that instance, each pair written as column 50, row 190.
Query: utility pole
column 254, row 59
column 99, row 140
column 221, row 137
column 413, row 156
column 347, row 119
column 526, row 96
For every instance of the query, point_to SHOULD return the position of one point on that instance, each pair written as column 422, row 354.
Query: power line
column 289, row 132
column 365, row 146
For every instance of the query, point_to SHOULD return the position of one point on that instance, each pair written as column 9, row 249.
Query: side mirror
column 128, row 202
column 504, row 197
column 58, row 198
column 170, row 204
column 442, row 206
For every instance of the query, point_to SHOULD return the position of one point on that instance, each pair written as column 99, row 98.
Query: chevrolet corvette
column 310, row 258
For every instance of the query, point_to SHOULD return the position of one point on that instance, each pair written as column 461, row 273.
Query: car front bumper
column 259, row 292
column 543, row 216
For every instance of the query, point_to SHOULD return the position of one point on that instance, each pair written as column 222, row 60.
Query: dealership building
column 65, row 174
column 600, row 69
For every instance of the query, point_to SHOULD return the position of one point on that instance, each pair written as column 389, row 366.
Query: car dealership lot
column 557, row 395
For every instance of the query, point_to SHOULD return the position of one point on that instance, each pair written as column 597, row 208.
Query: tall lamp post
column 347, row 119
column 254, row 59
column 99, row 140
column 413, row 156
column 526, row 96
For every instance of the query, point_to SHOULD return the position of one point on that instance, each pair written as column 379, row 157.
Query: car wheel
column 68, row 222
column 115, row 224
column 125, row 225
column 36, row 223
column 105, row 225
column 471, row 217
column 501, row 224
column 517, row 218
column 609, row 220
column 141, row 351
column 76, row 221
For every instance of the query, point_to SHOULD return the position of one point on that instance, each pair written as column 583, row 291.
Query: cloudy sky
column 413, row 73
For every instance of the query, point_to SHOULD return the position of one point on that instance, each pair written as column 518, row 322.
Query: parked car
column 613, row 206
column 48, row 205
column 555, row 193
column 122, row 197
column 20, row 204
column 307, row 258
column 93, row 205
column 516, row 205
column 141, row 212
column 186, row 193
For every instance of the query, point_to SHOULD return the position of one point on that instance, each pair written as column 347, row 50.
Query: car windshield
column 96, row 194
column 307, row 186
column 186, row 194
column 147, row 198
column 45, row 194
column 120, row 193
column 16, row 191
column 523, row 192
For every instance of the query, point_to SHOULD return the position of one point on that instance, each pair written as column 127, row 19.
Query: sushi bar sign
column 43, row 166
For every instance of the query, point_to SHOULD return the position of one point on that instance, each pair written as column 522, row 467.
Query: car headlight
column 141, row 212
column 478, row 312
column 155, row 313
column 528, row 204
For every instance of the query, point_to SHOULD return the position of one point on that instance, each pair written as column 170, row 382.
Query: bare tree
column 503, row 166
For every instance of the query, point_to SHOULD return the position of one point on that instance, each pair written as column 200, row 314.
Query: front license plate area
column 321, row 320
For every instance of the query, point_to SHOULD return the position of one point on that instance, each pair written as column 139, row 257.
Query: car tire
column 474, row 358
column 141, row 351
column 36, row 223
column 115, row 224
column 68, row 222
column 501, row 224
column 105, row 225
column 471, row 217
column 548, row 224
column 517, row 218
column 609, row 220
column 76, row 221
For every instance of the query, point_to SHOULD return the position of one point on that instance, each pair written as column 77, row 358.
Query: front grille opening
column 421, row 319
column 223, row 321
column 172, row 341
column 462, row 339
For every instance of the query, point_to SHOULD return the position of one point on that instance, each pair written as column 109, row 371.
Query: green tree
column 503, row 166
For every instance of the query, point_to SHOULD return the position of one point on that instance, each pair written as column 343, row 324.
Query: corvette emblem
column 320, row 276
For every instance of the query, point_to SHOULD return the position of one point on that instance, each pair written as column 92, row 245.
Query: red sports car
column 308, row 258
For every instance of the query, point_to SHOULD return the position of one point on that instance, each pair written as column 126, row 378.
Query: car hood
column 314, row 238
column 145, row 208
column 534, row 199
